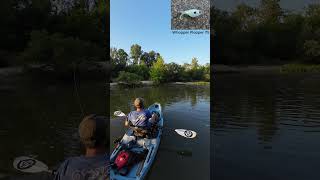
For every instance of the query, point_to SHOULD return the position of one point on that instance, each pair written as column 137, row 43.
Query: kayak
column 143, row 147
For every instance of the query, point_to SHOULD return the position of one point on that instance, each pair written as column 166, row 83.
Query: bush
column 174, row 72
column 129, row 78
column 59, row 51
column 141, row 70
column 300, row 68
column 158, row 71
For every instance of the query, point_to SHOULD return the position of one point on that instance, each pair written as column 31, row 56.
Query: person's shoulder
column 131, row 113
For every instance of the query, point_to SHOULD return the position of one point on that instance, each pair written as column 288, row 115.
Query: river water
column 265, row 127
column 184, row 106
column 41, row 119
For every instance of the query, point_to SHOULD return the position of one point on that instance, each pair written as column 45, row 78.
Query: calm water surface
column 40, row 119
column 266, row 127
column 184, row 107
column 262, row 127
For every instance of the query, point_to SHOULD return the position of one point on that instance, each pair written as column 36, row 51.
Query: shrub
column 141, row 70
column 129, row 78
column 59, row 51
column 158, row 71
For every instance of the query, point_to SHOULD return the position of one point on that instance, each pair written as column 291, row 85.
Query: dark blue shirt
column 140, row 118
column 83, row 168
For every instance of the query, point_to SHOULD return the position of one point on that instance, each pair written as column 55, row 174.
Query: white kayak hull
column 140, row 170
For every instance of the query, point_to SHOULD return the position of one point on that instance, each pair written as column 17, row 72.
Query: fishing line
column 76, row 90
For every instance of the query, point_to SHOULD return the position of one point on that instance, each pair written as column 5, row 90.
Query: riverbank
column 150, row 83
column 84, row 70
column 10, row 71
column 286, row 68
column 219, row 68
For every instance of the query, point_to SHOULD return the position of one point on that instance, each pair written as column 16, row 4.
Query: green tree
column 194, row 63
column 60, row 51
column 158, row 71
column 174, row 72
column 270, row 11
column 148, row 58
column 135, row 52
column 129, row 78
column 312, row 50
column 119, row 59
column 142, row 70
column 245, row 15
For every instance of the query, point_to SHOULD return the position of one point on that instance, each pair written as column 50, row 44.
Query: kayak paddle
column 119, row 113
column 182, row 132
column 30, row 165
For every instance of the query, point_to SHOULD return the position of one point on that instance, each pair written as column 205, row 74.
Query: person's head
column 93, row 132
column 139, row 103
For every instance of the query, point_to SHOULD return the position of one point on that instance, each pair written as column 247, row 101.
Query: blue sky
column 147, row 23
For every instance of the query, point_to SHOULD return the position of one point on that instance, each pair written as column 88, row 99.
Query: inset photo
column 190, row 14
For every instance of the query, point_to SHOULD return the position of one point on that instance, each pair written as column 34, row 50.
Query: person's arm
column 126, row 122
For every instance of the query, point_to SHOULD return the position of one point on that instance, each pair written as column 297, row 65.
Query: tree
column 123, row 57
column 158, row 71
column 135, row 52
column 148, row 58
column 194, row 63
column 142, row 70
column 174, row 72
column 60, row 51
column 119, row 59
column 129, row 78
column 245, row 16
column 144, row 58
column 196, row 71
column 270, row 11
column 312, row 50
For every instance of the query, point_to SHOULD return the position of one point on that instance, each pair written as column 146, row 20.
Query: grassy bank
column 286, row 68
column 300, row 68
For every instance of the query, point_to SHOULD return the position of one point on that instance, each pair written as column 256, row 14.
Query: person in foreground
column 141, row 117
column 94, row 164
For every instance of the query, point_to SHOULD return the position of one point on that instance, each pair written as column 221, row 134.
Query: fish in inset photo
column 191, row 13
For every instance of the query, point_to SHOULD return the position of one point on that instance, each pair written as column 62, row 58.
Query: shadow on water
column 269, row 123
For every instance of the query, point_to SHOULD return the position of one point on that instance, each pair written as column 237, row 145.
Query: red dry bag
column 122, row 159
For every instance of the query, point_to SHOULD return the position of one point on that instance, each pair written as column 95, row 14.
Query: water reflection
column 272, row 120
column 183, row 106
column 40, row 119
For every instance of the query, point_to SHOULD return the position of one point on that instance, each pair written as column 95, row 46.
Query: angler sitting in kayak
column 95, row 163
column 141, row 118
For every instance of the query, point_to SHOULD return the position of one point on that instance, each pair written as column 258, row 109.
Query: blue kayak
column 146, row 147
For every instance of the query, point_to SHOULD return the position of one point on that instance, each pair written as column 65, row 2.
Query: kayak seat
column 156, row 112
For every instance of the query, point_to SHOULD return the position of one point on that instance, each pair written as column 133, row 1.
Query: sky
column 148, row 23
column 297, row 5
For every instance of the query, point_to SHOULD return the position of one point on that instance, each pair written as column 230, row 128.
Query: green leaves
column 129, row 78
column 158, row 71
column 312, row 49
column 59, row 50
column 266, row 34
column 135, row 53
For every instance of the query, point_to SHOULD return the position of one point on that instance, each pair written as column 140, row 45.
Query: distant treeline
column 266, row 35
column 140, row 65
column 58, row 34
